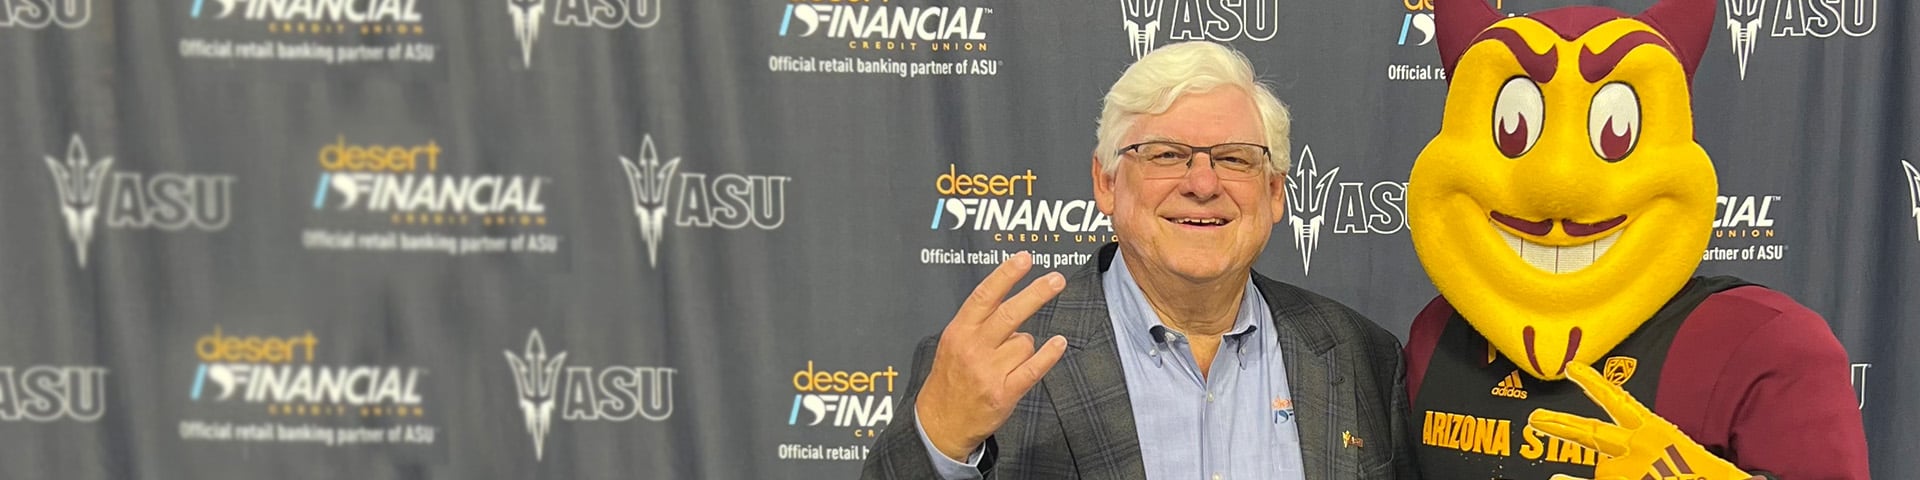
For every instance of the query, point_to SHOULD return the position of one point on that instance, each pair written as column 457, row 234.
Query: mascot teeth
column 1558, row 260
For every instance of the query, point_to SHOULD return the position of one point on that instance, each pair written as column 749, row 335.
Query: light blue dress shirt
column 1236, row 422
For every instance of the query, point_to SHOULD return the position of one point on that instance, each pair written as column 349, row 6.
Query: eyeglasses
column 1231, row 161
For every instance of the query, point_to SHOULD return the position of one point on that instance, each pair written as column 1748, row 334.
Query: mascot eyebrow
column 1539, row 66
column 1595, row 66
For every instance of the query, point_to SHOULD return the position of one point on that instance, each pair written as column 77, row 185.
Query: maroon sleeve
column 1761, row 379
column 1422, row 338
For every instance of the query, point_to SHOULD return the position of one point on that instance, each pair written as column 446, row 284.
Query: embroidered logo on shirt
column 1511, row 387
column 1282, row 410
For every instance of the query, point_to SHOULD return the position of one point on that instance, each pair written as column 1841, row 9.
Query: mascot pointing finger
column 1561, row 212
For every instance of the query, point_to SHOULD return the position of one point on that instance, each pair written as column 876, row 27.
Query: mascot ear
column 1687, row 24
column 1460, row 21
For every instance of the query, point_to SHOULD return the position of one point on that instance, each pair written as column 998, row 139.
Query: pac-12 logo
column 1149, row 21
column 1746, row 19
column 583, row 394
column 607, row 14
column 167, row 201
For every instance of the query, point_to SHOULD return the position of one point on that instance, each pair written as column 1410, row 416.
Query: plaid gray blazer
column 1345, row 372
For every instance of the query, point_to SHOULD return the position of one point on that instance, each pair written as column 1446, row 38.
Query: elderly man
column 1170, row 359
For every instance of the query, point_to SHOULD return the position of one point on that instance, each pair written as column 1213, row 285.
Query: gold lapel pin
column 1349, row 440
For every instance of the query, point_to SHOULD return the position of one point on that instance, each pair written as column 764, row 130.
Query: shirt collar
column 1127, row 301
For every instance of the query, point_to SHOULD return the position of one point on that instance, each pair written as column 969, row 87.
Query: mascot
column 1561, row 211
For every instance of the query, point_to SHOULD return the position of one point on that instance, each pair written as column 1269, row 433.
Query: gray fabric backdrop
column 313, row 239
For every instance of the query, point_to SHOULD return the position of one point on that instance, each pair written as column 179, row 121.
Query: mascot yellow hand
column 1639, row 444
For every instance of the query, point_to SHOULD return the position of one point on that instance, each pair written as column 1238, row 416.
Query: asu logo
column 79, row 180
column 606, row 14
column 1318, row 202
column 1619, row 369
column 166, row 201
column 37, row 14
column 649, row 181
column 1146, row 21
column 582, row 393
column 1307, row 204
column 526, row 25
column 535, row 376
column 728, row 201
column 1743, row 21
column 1747, row 20
column 1142, row 19
column 1913, row 195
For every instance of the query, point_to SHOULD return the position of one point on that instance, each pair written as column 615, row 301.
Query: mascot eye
column 1614, row 121
column 1516, row 117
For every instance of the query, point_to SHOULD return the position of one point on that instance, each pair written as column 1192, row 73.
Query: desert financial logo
column 1746, row 220
column 730, row 201
column 888, row 27
column 37, row 14
column 612, row 394
column 280, row 372
column 1748, row 19
column 1150, row 21
column 47, row 393
column 167, row 201
column 329, row 11
column 1358, row 207
column 1416, row 27
column 1003, row 204
column 606, row 14
column 1913, row 195
column 398, row 17
column 403, row 183
column 859, row 400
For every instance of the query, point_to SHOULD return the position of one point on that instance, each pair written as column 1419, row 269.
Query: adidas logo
column 1673, row 467
column 1511, row 387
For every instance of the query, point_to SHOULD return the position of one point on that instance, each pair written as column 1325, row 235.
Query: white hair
column 1151, row 84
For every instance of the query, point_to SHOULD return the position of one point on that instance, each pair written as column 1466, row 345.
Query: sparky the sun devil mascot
column 1561, row 212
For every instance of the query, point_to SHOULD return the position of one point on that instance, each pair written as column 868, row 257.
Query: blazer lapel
column 1088, row 387
column 1305, row 346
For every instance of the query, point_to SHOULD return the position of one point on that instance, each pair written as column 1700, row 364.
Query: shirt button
column 1216, row 476
column 1210, row 400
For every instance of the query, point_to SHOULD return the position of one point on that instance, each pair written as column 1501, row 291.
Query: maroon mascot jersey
column 1747, row 372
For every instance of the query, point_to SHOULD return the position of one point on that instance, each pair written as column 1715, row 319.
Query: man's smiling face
column 1199, row 227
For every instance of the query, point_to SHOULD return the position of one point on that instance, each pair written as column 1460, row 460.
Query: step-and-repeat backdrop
column 400, row 239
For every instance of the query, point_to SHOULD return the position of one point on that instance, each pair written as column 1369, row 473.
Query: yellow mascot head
column 1564, row 199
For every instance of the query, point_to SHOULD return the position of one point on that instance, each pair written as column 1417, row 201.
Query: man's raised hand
column 982, row 365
